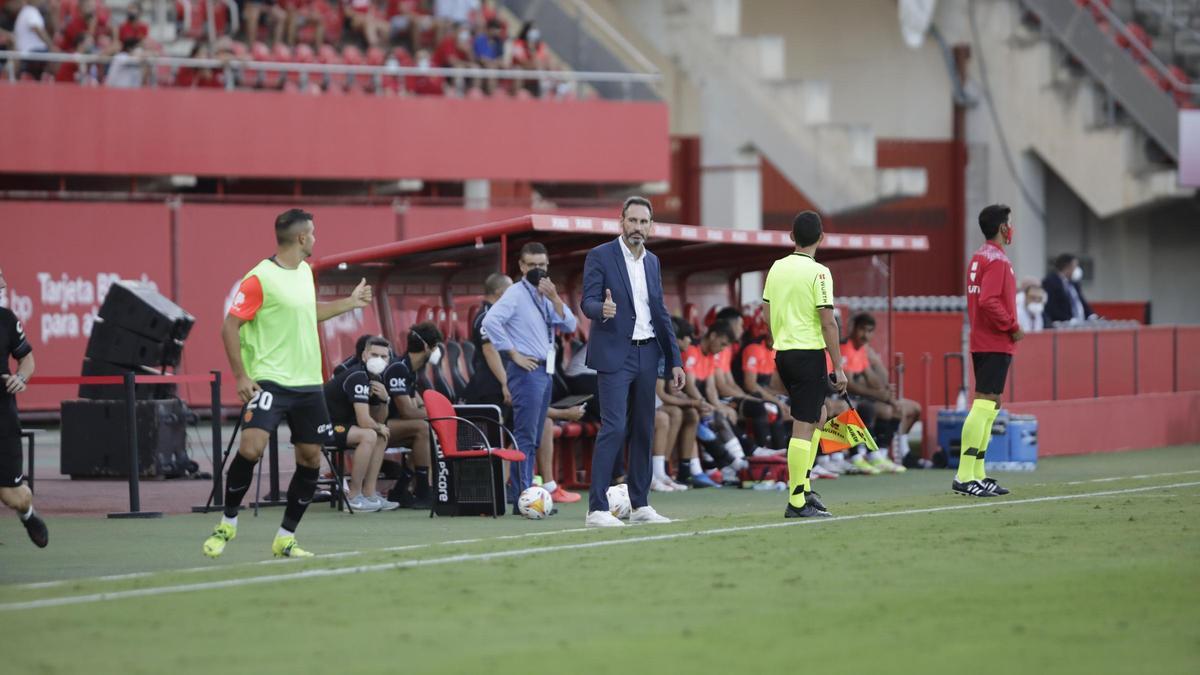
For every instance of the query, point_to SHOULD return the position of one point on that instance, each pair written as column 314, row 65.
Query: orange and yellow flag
column 845, row 431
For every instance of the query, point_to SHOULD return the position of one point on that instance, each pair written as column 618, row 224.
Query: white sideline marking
column 411, row 547
column 468, row 557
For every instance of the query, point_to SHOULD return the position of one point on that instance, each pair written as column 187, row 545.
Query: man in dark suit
column 1064, row 297
column 631, row 329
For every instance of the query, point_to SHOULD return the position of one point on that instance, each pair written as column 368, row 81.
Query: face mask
column 1077, row 275
column 423, row 62
column 1008, row 236
column 534, row 35
column 435, row 357
column 1035, row 308
column 376, row 365
column 535, row 275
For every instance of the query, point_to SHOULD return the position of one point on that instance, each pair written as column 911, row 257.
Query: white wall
column 856, row 45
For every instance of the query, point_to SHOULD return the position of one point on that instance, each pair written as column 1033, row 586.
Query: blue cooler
column 1023, row 443
column 949, row 430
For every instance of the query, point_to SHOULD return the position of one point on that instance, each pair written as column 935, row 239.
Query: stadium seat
column 468, row 348
column 351, row 56
column 328, row 55
column 1182, row 97
column 304, row 54
column 454, row 355
column 448, row 428
column 375, row 57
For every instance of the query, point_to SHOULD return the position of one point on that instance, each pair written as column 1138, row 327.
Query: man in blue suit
column 631, row 331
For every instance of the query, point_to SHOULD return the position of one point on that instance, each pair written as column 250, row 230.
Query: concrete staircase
column 749, row 106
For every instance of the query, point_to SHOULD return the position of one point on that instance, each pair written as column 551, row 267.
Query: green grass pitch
column 1091, row 566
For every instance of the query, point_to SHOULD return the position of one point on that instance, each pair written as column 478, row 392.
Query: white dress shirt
column 642, row 327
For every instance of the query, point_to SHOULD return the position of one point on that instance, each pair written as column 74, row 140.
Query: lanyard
column 541, row 307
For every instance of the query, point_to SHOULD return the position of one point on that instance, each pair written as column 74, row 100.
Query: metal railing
column 235, row 68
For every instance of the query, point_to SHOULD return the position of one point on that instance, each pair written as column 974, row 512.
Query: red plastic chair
column 304, row 54
column 444, row 423
column 375, row 57
column 351, row 56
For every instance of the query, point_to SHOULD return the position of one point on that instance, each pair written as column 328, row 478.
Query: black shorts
column 306, row 414
column 341, row 435
column 806, row 379
column 10, row 444
column 991, row 371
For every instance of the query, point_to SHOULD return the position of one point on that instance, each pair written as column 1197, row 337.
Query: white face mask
column 1077, row 275
column 423, row 62
column 435, row 357
column 376, row 365
column 1035, row 308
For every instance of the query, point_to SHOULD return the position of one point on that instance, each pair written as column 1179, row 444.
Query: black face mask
column 535, row 275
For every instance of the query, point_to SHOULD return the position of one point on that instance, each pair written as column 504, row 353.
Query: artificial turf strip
column 1098, row 584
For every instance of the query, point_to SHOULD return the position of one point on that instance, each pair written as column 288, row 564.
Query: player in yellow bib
column 798, row 307
column 270, row 337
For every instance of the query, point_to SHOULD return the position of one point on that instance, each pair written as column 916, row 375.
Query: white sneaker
column 827, row 463
column 838, row 459
column 361, row 504
column 383, row 502
column 647, row 514
column 768, row 452
column 679, row 487
column 819, row 471
column 659, row 485
column 602, row 519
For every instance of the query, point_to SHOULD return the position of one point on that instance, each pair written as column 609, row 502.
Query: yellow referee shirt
column 797, row 286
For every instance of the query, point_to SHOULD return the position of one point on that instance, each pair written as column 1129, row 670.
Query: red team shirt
column 992, row 300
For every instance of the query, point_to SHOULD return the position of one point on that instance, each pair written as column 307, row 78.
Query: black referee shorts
column 991, row 371
column 807, row 381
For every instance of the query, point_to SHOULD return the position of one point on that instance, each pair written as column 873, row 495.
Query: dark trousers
column 627, row 415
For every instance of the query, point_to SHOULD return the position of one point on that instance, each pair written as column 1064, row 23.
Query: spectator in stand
column 200, row 78
column 1064, row 297
column 31, row 37
column 407, row 20
column 451, row 15
column 253, row 12
column 363, row 20
column 8, row 20
column 425, row 85
column 529, row 52
column 134, row 29
column 300, row 13
column 128, row 69
column 868, row 379
column 489, row 51
column 88, row 20
column 1031, row 306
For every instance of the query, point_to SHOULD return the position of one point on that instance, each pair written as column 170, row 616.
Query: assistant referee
column 798, row 308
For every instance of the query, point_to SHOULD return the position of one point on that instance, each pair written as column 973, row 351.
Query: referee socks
column 799, row 453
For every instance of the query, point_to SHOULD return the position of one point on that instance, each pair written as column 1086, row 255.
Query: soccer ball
column 618, row 501
column 535, row 503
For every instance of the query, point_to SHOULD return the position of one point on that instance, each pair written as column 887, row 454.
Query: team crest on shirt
column 248, row 416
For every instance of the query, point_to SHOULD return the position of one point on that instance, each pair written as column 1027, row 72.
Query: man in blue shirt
column 521, row 326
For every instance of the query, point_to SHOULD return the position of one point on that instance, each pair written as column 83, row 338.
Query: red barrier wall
column 1130, row 423
column 97, row 130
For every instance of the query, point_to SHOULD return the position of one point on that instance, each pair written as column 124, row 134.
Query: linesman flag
column 845, row 431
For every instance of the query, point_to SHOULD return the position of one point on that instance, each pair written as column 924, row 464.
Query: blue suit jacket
column 610, row 341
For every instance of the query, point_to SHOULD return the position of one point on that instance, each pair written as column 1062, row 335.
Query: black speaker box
column 95, row 444
column 140, row 308
column 113, row 344
column 117, row 391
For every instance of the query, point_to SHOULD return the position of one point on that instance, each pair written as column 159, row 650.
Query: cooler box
column 949, row 426
column 1022, row 443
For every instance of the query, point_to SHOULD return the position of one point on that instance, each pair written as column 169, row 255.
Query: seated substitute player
column 357, row 402
column 798, row 306
column 750, row 408
column 406, row 412
column 699, row 365
column 675, row 424
column 13, row 491
column 868, row 379
column 270, row 338
column 995, row 331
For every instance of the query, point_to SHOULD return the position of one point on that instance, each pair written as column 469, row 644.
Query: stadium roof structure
column 681, row 248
